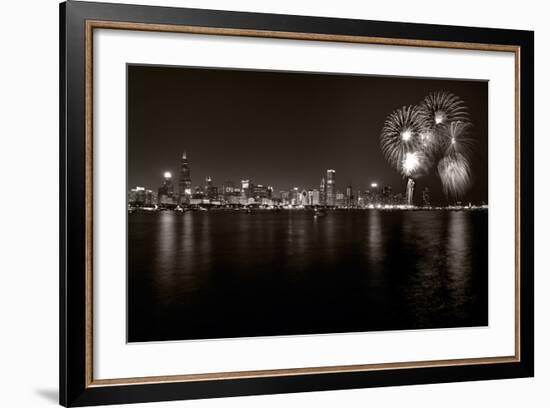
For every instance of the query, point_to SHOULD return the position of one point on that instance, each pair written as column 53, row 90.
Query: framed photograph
column 256, row 203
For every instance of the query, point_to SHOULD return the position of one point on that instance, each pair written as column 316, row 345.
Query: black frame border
column 72, row 328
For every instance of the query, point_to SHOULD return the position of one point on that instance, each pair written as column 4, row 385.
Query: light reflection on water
column 459, row 257
column 166, row 265
column 226, row 274
column 375, row 241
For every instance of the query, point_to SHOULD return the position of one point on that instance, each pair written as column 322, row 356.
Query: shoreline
column 306, row 209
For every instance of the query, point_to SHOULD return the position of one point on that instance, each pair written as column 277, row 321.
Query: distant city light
column 374, row 185
column 167, row 175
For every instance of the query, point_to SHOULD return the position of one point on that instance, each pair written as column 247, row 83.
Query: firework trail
column 401, row 141
column 454, row 171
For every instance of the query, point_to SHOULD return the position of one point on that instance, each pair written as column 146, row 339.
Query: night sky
column 281, row 128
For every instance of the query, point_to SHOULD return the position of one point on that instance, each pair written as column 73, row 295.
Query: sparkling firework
column 401, row 135
column 410, row 163
column 457, row 140
column 414, row 164
column 440, row 108
column 454, row 171
column 415, row 137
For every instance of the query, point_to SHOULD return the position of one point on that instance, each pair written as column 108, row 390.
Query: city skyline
column 247, row 192
column 185, row 184
column 327, row 196
column 330, row 121
column 190, row 186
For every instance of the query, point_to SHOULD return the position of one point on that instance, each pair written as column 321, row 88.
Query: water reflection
column 299, row 229
column 224, row 274
column 187, row 253
column 329, row 237
column 375, row 241
column 165, row 250
column 458, row 245
column 459, row 258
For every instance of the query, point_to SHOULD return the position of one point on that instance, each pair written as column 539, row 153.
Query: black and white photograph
column 276, row 203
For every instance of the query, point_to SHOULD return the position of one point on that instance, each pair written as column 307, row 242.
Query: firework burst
column 454, row 171
column 414, row 164
column 401, row 135
column 440, row 108
column 457, row 139
column 436, row 131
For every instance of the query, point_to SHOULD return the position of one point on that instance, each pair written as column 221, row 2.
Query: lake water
column 219, row 274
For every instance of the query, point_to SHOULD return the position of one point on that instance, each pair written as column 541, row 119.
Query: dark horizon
column 283, row 129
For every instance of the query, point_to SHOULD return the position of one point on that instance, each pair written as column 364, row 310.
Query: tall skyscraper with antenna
column 184, row 180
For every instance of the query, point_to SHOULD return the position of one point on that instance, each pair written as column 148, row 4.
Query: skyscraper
column 340, row 199
column 304, row 198
column 310, row 197
column 184, row 180
column 331, row 187
column 141, row 197
column 285, row 197
column 260, row 192
column 349, row 196
column 323, row 192
column 166, row 196
column 228, row 189
column 210, row 190
column 316, row 198
column 374, row 195
column 360, row 199
column 387, row 196
column 246, row 189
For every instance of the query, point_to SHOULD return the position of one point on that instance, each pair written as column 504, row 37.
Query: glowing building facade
column 323, row 192
column 331, row 188
column 245, row 189
column 141, row 197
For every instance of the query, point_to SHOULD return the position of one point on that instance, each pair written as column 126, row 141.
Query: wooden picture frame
column 78, row 20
